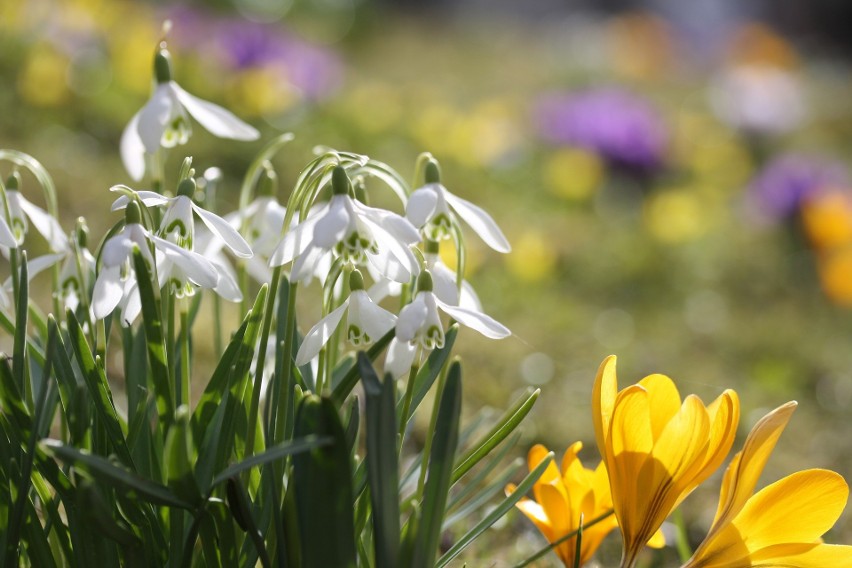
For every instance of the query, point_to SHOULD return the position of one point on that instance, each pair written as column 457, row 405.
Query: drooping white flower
column 73, row 281
column 419, row 326
column 366, row 322
column 352, row 231
column 164, row 120
column 20, row 209
column 431, row 208
column 116, row 283
column 444, row 283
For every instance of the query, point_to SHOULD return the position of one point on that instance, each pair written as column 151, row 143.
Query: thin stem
column 185, row 353
column 286, row 391
column 681, row 539
column 169, row 322
column 406, row 404
column 427, row 448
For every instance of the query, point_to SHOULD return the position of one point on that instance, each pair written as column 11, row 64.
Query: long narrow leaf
column 118, row 477
column 275, row 453
column 99, row 390
column 350, row 379
column 382, row 463
column 441, row 460
column 497, row 513
column 510, row 420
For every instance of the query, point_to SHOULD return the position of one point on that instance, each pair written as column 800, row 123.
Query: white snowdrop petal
column 373, row 319
column 217, row 120
column 132, row 149
column 468, row 298
column 480, row 221
column 444, row 283
column 319, row 335
column 7, row 238
column 411, row 318
column 388, row 244
column 45, row 224
column 295, row 242
column 39, row 264
column 196, row 267
column 108, row 291
column 116, row 249
column 400, row 227
column 227, row 286
column 149, row 198
column 486, row 325
column 399, row 358
column 154, row 117
column 224, row 231
column 421, row 205
column 132, row 305
column 332, row 227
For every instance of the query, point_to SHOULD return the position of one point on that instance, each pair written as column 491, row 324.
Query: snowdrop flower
column 116, row 283
column 352, row 231
column 19, row 211
column 263, row 219
column 164, row 120
column 419, row 326
column 431, row 208
column 72, row 283
column 443, row 279
column 178, row 225
column 365, row 323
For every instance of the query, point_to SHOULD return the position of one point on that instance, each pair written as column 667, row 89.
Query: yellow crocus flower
column 657, row 449
column 782, row 524
column 562, row 497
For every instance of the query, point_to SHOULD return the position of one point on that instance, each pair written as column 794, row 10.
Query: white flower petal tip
column 480, row 221
column 217, row 120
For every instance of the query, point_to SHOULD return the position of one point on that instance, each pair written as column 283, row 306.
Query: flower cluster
column 656, row 450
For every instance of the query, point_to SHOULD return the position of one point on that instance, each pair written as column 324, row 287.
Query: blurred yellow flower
column 42, row 81
column 758, row 44
column 260, row 91
column 573, row 174
column 533, row 259
column 676, row 216
column 656, row 449
column 641, row 45
column 827, row 219
column 783, row 523
column 835, row 274
column 561, row 498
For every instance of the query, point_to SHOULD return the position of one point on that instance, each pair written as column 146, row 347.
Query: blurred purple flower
column 315, row 71
column 619, row 126
column 790, row 179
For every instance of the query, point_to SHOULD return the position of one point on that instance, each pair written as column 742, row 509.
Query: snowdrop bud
column 432, row 172
column 13, row 182
column 431, row 247
column 268, row 184
column 82, row 233
column 356, row 281
column 424, row 282
column 163, row 66
column 132, row 214
column 187, row 188
column 340, row 184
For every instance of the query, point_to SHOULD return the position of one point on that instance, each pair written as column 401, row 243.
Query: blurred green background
column 672, row 179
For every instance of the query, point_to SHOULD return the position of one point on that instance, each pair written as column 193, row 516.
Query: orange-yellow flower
column 656, row 449
column 782, row 524
column 561, row 498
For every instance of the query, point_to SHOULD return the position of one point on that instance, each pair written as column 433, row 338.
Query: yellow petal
column 538, row 454
column 798, row 508
column 664, row 400
column 744, row 470
column 561, row 521
column 603, row 401
column 795, row 510
column 629, row 447
column 804, row 556
column 724, row 413
column 658, row 540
